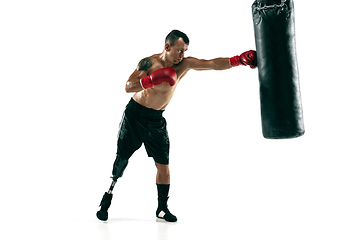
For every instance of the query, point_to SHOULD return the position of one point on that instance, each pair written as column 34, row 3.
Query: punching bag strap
column 259, row 7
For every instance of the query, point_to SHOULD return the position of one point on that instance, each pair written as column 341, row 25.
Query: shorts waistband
column 142, row 110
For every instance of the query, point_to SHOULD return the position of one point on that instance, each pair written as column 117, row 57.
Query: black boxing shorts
column 139, row 125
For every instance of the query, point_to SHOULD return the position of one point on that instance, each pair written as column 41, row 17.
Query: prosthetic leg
column 118, row 170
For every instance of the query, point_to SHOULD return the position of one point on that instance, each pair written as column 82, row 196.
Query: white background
column 63, row 68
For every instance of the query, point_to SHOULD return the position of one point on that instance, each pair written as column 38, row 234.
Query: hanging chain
column 270, row 6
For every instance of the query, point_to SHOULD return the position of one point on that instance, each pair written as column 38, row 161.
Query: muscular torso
column 159, row 96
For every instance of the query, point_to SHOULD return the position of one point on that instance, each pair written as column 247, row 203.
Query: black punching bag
column 281, row 108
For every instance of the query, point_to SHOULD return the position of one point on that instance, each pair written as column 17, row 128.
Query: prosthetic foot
column 102, row 214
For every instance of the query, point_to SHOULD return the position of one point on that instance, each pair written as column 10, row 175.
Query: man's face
column 176, row 53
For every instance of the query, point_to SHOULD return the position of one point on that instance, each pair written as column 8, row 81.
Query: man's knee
column 119, row 167
column 163, row 169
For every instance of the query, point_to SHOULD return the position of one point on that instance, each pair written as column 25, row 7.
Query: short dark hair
column 174, row 35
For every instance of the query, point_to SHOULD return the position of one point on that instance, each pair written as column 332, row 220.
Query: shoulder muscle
column 144, row 64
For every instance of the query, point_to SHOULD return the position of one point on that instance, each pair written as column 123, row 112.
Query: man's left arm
column 246, row 59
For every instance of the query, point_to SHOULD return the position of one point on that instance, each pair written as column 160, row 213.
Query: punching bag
column 281, row 108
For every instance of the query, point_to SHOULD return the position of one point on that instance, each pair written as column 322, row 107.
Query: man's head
column 176, row 43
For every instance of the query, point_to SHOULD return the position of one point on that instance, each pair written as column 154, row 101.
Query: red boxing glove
column 246, row 58
column 158, row 77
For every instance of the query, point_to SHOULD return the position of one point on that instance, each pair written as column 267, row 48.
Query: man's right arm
column 133, row 83
column 140, row 78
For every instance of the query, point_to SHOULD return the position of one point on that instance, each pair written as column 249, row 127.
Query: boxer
column 153, row 84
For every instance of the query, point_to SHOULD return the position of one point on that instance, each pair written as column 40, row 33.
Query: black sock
column 163, row 190
column 163, row 211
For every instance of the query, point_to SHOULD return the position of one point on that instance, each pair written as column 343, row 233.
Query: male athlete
column 154, row 82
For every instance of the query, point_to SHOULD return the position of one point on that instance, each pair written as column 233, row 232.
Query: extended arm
column 213, row 64
column 246, row 58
